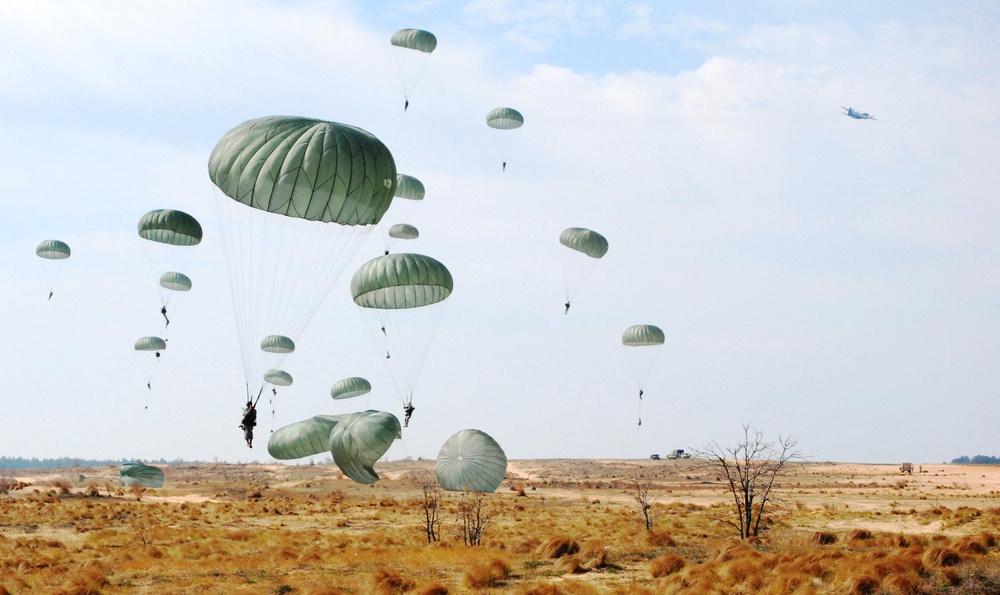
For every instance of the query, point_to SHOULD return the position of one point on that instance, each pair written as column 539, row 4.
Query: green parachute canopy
column 401, row 281
column 504, row 118
column 303, row 439
column 52, row 250
column 471, row 460
column 642, row 335
column 409, row 187
column 140, row 474
column 277, row 344
column 584, row 240
column 278, row 377
column 360, row 440
column 150, row 344
column 404, row 231
column 175, row 281
column 350, row 387
column 305, row 168
column 168, row 226
column 414, row 39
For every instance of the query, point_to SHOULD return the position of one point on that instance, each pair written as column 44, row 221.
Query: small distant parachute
column 302, row 439
column 401, row 297
column 148, row 351
column 409, row 187
column 413, row 191
column 350, row 387
column 643, row 343
column 415, row 47
column 277, row 344
column 297, row 196
column 52, row 250
column 360, row 439
column 404, row 231
column 504, row 119
column 278, row 377
column 175, row 281
column 140, row 474
column 168, row 226
column 586, row 248
column 170, row 235
column 150, row 344
column 471, row 460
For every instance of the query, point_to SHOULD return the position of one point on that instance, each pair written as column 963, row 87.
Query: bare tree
column 751, row 468
column 639, row 489
column 432, row 506
column 474, row 516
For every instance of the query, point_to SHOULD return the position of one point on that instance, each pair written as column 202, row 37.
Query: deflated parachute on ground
column 302, row 439
column 471, row 460
column 140, row 474
column 360, row 439
column 350, row 387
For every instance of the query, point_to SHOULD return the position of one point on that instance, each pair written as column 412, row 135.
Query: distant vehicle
column 655, row 457
column 678, row 454
column 906, row 468
column 852, row 113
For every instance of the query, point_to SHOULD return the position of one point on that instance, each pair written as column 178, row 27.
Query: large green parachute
column 471, row 460
column 175, row 281
column 168, row 226
column 347, row 388
column 297, row 197
column 52, row 250
column 414, row 39
column 140, row 474
column 401, row 296
column 303, row 439
column 305, row 168
column 360, row 439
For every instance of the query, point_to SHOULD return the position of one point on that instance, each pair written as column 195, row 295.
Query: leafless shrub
column 638, row 488
column 750, row 469
column 431, row 505
column 474, row 515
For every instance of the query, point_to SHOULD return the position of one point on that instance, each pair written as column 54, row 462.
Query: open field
column 555, row 526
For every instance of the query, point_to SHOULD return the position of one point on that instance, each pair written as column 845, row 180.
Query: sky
column 815, row 276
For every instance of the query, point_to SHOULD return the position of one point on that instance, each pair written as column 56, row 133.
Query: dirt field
column 555, row 526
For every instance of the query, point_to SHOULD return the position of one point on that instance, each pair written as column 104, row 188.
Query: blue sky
column 816, row 276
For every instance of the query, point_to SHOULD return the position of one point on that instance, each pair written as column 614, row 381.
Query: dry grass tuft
column 558, row 547
column 823, row 538
column 903, row 584
column 859, row 535
column 865, row 584
column 387, row 581
column 659, row 539
column 430, row 589
column 941, row 556
column 489, row 574
column 667, row 563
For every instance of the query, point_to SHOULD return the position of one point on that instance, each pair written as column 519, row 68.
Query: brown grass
column 667, row 563
column 824, row 538
column 492, row 573
column 558, row 547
